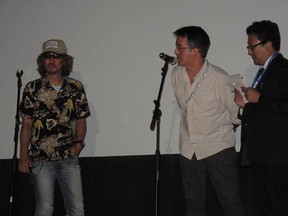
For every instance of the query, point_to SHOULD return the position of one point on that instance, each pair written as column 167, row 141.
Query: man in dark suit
column 265, row 119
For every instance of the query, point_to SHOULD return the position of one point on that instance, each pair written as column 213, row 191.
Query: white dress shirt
column 208, row 111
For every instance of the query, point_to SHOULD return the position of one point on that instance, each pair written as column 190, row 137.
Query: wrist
column 81, row 142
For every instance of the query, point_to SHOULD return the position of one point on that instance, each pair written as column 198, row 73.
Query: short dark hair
column 196, row 37
column 66, row 68
column 266, row 31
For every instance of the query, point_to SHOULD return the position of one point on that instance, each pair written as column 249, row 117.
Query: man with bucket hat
column 54, row 109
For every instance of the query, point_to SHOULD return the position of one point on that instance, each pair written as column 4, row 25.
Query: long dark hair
column 67, row 65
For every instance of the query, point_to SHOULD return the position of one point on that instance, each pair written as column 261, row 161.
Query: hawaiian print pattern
column 54, row 116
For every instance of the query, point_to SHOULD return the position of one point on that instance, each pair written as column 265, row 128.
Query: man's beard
column 51, row 72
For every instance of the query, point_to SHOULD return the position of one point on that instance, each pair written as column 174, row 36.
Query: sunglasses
column 52, row 55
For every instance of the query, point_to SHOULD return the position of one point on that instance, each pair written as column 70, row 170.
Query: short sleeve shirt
column 54, row 114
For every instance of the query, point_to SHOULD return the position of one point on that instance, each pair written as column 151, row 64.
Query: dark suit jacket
column 265, row 124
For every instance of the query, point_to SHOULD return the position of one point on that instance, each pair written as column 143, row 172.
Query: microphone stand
column 16, row 132
column 156, row 121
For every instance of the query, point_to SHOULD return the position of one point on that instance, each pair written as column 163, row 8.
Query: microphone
column 169, row 59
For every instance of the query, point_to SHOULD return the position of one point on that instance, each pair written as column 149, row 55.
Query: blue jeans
column 68, row 174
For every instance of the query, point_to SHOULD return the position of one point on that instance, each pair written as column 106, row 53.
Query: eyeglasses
column 52, row 55
column 181, row 49
column 251, row 47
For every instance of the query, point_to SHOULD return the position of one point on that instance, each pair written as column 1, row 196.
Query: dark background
column 120, row 185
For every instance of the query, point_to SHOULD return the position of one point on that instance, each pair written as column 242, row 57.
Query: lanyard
column 198, row 84
column 258, row 78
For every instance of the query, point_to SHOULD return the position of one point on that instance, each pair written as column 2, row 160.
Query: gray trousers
column 222, row 171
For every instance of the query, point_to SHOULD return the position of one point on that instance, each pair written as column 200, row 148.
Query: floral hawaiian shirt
column 54, row 115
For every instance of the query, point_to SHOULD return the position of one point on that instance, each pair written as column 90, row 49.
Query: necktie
column 258, row 76
column 259, row 73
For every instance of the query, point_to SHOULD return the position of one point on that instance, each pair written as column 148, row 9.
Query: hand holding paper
column 236, row 83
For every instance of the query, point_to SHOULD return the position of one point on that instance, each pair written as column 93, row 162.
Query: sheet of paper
column 237, row 82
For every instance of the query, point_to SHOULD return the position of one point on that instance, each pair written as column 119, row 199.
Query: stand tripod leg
column 16, row 133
